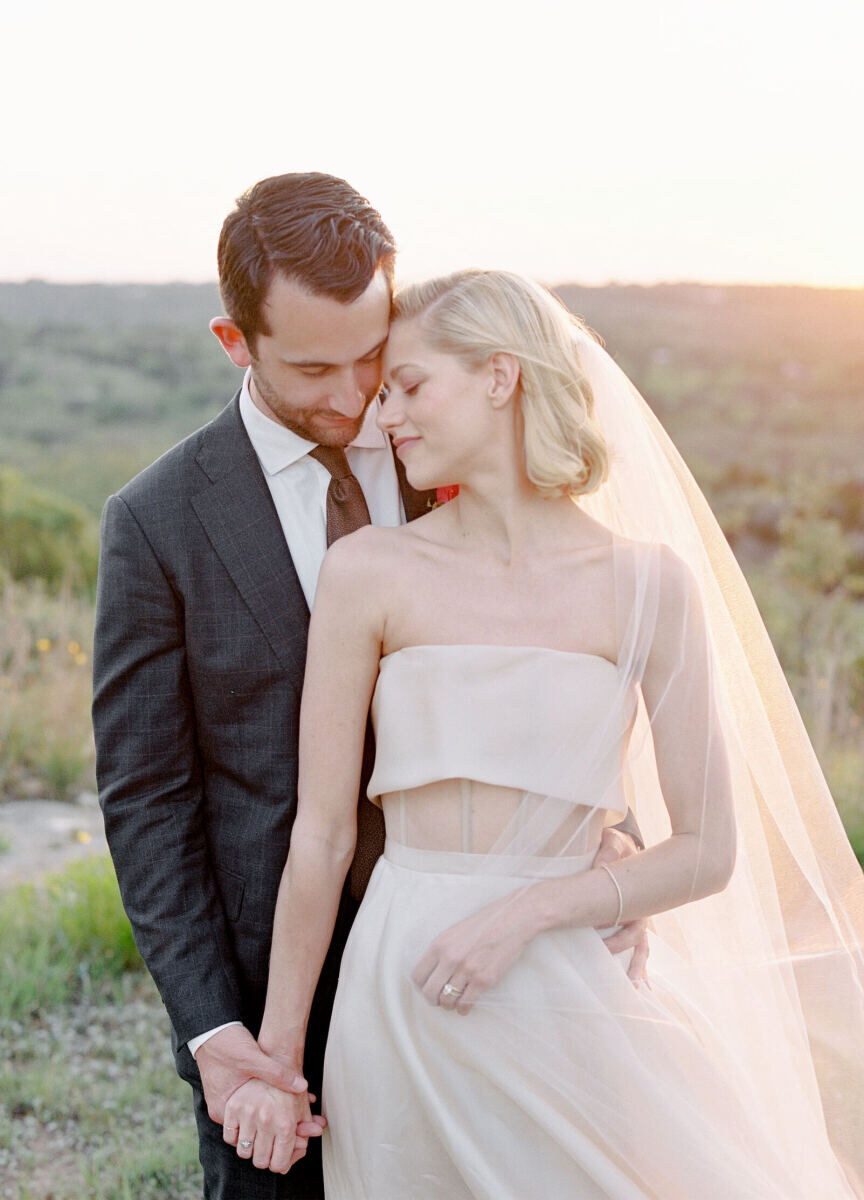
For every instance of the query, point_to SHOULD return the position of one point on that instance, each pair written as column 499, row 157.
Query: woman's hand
column 469, row 958
column 270, row 1127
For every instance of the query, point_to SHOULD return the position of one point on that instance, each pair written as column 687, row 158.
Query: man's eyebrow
column 309, row 363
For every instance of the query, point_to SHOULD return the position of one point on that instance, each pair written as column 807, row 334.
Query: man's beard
column 313, row 424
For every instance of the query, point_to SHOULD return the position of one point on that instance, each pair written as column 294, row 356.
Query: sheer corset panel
column 459, row 767
column 471, row 817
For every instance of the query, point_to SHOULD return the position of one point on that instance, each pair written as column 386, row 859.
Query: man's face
column 319, row 369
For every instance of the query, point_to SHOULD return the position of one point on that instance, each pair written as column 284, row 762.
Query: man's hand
column 270, row 1126
column 615, row 845
column 231, row 1058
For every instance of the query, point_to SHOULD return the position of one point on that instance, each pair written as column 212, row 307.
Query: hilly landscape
column 762, row 388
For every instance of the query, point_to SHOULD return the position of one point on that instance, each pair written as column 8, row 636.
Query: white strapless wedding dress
column 566, row 1082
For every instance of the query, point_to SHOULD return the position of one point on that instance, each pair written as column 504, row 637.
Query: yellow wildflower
column 73, row 648
column 43, row 645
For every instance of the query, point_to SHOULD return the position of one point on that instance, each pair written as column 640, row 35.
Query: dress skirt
column 566, row 1081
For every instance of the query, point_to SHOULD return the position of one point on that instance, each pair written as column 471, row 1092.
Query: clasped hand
column 270, row 1126
column 261, row 1102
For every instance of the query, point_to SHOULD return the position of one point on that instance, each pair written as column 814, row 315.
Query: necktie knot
column 346, row 504
column 334, row 459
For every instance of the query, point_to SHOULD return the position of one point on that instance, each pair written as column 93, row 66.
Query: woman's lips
column 399, row 444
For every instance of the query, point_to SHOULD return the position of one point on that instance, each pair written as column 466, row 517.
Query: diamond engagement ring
column 246, row 1144
column 449, row 990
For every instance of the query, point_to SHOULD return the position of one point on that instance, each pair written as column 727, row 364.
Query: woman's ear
column 504, row 378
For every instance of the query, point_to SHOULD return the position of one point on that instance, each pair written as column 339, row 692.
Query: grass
column 90, row 1104
column 91, row 1107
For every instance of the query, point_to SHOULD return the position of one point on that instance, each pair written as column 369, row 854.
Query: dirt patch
column 38, row 837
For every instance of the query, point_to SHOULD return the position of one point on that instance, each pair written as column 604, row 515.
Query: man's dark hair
column 312, row 228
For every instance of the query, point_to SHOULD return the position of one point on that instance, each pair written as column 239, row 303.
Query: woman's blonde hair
column 475, row 314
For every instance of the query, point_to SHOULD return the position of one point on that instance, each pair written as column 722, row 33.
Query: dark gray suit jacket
column 198, row 667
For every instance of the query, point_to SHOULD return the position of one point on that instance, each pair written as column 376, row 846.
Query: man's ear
column 504, row 378
column 233, row 341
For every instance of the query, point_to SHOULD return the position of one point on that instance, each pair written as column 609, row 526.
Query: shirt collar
column 278, row 447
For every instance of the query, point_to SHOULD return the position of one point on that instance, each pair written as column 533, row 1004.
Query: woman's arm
column 695, row 861
column 341, row 667
column 269, row 1126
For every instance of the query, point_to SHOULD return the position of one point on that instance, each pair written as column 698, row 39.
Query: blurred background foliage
column 762, row 389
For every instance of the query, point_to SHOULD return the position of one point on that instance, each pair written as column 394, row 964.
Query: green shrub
column 63, row 938
column 43, row 536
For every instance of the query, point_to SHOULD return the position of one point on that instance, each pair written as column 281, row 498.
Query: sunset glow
column 616, row 141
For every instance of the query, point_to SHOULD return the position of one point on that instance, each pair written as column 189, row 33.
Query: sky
column 612, row 140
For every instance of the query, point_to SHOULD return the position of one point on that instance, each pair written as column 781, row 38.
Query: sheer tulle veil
column 766, row 976
column 780, row 949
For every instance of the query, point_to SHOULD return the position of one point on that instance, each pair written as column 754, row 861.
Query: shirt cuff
column 196, row 1043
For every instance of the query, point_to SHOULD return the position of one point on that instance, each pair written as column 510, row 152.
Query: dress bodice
column 547, row 722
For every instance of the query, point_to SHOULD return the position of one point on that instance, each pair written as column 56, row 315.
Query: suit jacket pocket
column 231, row 888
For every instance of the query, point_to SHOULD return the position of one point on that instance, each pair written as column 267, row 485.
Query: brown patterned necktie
column 346, row 505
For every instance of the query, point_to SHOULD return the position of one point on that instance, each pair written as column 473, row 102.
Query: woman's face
column 437, row 411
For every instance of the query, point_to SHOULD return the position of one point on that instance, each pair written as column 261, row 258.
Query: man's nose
column 348, row 397
column 390, row 413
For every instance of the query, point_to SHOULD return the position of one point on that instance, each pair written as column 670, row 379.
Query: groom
column 208, row 568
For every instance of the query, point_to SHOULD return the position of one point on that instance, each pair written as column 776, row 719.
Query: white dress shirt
column 298, row 485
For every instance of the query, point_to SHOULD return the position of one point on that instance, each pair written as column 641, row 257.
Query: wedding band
column 449, row 990
column 246, row 1144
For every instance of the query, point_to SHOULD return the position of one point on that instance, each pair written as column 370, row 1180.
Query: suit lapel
column 240, row 520
column 415, row 503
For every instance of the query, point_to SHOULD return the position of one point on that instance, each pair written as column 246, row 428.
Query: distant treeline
column 108, row 305
column 791, row 321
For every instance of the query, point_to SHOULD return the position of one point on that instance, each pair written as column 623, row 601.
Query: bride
column 567, row 637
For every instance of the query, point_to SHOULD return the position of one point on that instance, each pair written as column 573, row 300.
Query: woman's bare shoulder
column 359, row 552
column 370, row 552
column 657, row 557
column 658, row 583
